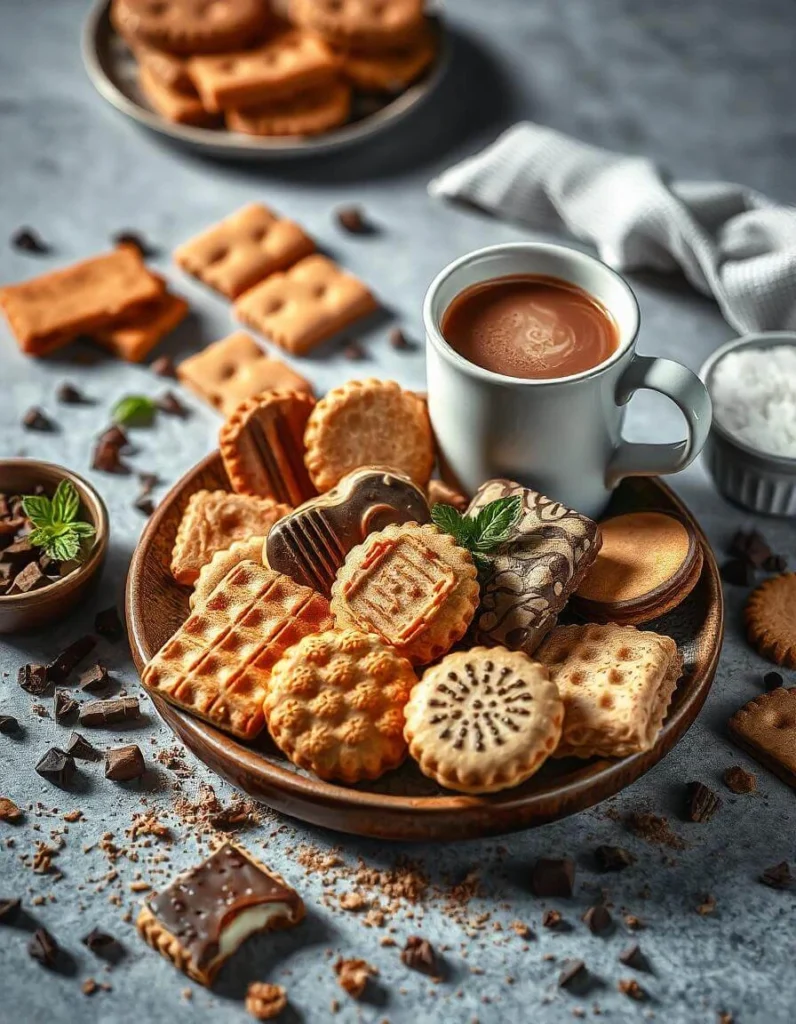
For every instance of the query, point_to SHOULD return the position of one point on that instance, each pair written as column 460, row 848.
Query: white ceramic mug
column 562, row 436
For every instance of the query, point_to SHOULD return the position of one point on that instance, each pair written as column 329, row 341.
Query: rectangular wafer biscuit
column 229, row 371
column 306, row 305
column 217, row 665
column 242, row 249
column 133, row 337
column 616, row 683
column 174, row 105
column 766, row 729
column 48, row 311
column 286, row 64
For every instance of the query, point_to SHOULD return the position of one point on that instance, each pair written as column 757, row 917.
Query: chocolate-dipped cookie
column 532, row 574
column 311, row 543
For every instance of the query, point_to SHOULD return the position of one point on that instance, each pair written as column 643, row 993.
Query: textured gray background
column 704, row 87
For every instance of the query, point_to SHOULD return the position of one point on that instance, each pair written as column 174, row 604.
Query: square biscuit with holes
column 766, row 729
column 306, row 305
column 616, row 683
column 234, row 369
column 242, row 249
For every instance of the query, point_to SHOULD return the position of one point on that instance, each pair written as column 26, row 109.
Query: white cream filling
column 250, row 921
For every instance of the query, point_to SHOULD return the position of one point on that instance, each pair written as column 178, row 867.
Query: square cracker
column 212, row 521
column 286, row 64
column 616, row 683
column 229, row 371
column 306, row 305
column 766, row 729
column 133, row 337
column 48, row 311
column 218, row 663
column 174, row 105
column 242, row 249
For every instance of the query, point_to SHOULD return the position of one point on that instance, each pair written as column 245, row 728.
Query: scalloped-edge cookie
column 211, row 574
column 262, row 445
column 191, row 26
column 208, row 912
column 766, row 729
column 770, row 621
column 411, row 585
column 483, row 720
column 335, row 705
column 368, row 423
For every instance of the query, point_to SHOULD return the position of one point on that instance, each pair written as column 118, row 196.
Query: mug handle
column 691, row 397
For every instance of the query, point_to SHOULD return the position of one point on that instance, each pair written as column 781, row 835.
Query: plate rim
column 609, row 778
column 237, row 144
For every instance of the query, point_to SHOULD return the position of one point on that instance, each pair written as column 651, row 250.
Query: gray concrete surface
column 704, row 87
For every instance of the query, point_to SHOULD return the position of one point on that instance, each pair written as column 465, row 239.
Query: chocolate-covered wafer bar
column 207, row 913
column 311, row 543
column 533, row 573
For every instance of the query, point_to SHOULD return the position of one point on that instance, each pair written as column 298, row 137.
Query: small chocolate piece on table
column 9, row 910
column 103, row 945
column 553, row 876
column 418, row 954
column 36, row 419
column 94, row 679
column 202, row 918
column 575, row 977
column 27, row 240
column 598, row 919
column 702, row 802
column 67, row 661
column 739, row 780
column 69, row 394
column 57, row 766
column 80, row 748
column 399, row 340
column 779, row 876
column 108, row 712
column 144, row 504
column 65, row 705
column 122, row 764
column 633, row 957
column 34, row 679
column 352, row 219
column 171, row 405
column 8, row 725
column 613, row 858
column 43, row 947
column 137, row 241
column 164, row 366
column 108, row 624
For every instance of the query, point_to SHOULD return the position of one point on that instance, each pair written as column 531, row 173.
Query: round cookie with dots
column 483, row 720
column 335, row 705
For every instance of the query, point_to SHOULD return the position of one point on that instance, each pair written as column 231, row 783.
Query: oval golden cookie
column 192, row 26
column 370, row 24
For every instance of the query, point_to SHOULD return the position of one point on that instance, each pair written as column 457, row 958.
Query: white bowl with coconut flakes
column 751, row 449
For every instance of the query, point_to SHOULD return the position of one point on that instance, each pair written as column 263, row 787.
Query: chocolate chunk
column 135, row 239
column 107, row 458
column 31, row 578
column 144, row 504
column 65, row 705
column 108, row 624
column 59, row 670
column 773, row 680
column 418, row 954
column 43, row 947
column 124, row 763
column 630, row 987
column 311, row 544
column 70, row 395
column 778, row 877
column 34, row 679
column 353, row 351
column 27, row 240
column 8, row 725
column 95, row 678
column 148, row 481
column 9, row 910
column 164, row 366
column 80, row 748
column 353, row 220
column 613, row 858
column 739, row 780
column 757, row 552
column 9, row 810
column 116, row 436
column 633, row 957
column 399, row 341
column 574, row 977
column 57, row 766
column 739, row 572
column 702, row 803
column 553, row 876
column 553, row 919
column 171, row 405
column 35, row 419
column 103, row 945
column 19, row 554
column 598, row 919
column 775, row 563
column 107, row 712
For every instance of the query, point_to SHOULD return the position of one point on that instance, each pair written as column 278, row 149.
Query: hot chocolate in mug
column 563, row 435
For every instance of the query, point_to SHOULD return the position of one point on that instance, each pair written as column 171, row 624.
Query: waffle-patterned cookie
column 616, row 683
column 218, row 663
column 335, row 705
column 411, row 585
column 209, row 911
column 262, row 445
column 483, row 720
column 766, row 729
column 211, row 574
column 212, row 521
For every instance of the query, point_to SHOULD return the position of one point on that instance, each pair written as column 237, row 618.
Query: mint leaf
column 451, row 521
column 65, row 503
column 41, row 536
column 55, row 528
column 38, row 509
column 494, row 522
column 134, row 411
column 63, row 548
column 82, row 529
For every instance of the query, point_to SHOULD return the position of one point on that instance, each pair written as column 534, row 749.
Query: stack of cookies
column 237, row 64
column 333, row 606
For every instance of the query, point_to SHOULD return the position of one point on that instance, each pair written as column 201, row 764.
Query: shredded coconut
column 754, row 397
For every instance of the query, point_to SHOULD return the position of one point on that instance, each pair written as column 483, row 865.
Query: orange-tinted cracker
column 229, row 371
column 218, row 663
column 242, row 249
column 262, row 445
column 412, row 586
column 133, row 338
column 766, row 728
column 178, row 107
column 284, row 65
column 46, row 312
column 192, row 26
column 390, row 70
column 364, row 23
column 307, row 113
column 212, row 521
column 306, row 305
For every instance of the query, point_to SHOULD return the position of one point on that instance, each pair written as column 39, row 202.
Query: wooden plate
column 404, row 805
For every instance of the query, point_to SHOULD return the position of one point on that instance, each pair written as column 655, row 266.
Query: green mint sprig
column 56, row 528
column 482, row 533
column 134, row 411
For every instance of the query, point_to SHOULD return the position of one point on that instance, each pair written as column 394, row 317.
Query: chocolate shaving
column 65, row 705
column 35, row 419
column 122, row 764
column 739, row 780
column 702, row 802
column 778, row 877
column 59, row 670
column 43, row 947
column 108, row 624
column 27, row 240
column 80, row 748
column 107, row 712
column 553, row 876
column 57, row 766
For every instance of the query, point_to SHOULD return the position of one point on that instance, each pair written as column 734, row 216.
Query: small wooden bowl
column 56, row 601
